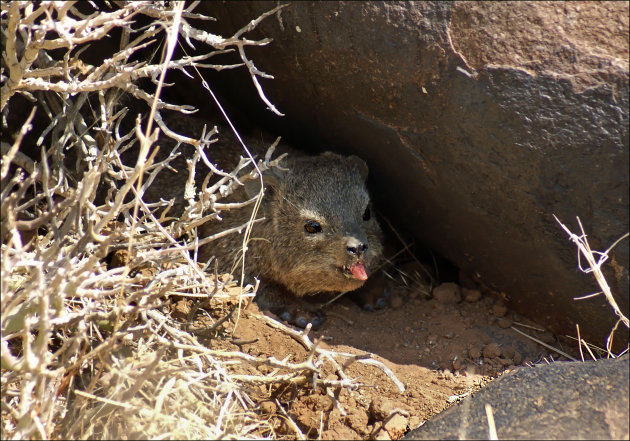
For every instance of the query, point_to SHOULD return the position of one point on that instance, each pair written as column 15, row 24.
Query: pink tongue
column 358, row 271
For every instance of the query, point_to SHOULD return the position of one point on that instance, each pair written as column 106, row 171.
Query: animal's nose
column 355, row 246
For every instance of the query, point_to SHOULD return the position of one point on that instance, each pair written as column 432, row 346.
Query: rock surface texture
column 479, row 121
column 565, row 400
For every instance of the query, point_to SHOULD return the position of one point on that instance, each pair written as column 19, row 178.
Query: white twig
column 492, row 428
column 595, row 264
column 302, row 338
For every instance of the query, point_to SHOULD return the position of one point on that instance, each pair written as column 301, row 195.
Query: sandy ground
column 442, row 347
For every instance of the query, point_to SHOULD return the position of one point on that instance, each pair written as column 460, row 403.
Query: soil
column 442, row 346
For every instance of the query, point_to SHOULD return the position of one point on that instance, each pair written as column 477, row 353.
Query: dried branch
column 595, row 260
column 83, row 343
column 302, row 338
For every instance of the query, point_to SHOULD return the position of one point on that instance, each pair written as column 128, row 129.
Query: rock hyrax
column 316, row 231
column 317, row 234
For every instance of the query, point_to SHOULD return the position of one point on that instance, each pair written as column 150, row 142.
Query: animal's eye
column 366, row 214
column 312, row 227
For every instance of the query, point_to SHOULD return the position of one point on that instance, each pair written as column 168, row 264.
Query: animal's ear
column 360, row 165
column 271, row 178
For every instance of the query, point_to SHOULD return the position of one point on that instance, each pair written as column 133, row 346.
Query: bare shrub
column 85, row 352
column 87, row 348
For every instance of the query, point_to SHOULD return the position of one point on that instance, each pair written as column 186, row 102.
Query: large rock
column 565, row 400
column 479, row 121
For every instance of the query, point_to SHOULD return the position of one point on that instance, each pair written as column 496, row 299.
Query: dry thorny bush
column 87, row 350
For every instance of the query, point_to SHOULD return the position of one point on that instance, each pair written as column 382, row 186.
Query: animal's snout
column 356, row 247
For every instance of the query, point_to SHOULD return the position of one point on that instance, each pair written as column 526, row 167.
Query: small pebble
column 381, row 303
column 181, row 309
column 268, row 407
column 492, row 351
column 474, row 353
column 471, row 295
column 396, row 426
column 380, row 408
column 396, row 302
column 445, row 365
column 447, row 293
column 499, row 310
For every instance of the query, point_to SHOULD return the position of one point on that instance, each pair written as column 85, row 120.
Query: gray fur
column 332, row 188
column 280, row 251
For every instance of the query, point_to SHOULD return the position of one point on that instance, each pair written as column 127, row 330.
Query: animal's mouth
column 355, row 271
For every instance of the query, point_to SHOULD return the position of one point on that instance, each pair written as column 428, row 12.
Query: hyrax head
column 322, row 236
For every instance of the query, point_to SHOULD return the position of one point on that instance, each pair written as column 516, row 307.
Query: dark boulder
column 479, row 120
column 564, row 400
